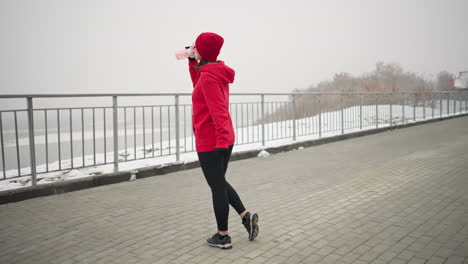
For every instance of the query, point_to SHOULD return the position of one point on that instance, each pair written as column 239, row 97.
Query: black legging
column 214, row 165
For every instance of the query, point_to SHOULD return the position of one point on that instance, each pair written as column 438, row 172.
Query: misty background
column 115, row 46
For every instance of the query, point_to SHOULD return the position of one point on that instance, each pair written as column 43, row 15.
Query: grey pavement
column 396, row 197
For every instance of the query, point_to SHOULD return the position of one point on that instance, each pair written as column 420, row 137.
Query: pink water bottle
column 185, row 53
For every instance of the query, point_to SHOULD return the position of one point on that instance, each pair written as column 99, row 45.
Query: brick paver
column 395, row 197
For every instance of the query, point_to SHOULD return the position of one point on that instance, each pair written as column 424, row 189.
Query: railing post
column 71, row 137
column 466, row 102
column 360, row 111
column 115, row 133
column 463, row 100
column 391, row 112
column 424, row 107
column 460, row 102
column 448, row 103
column 320, row 117
column 32, row 149
column 455, row 105
column 177, row 122
column 432, row 104
column 414, row 108
column 403, row 109
column 465, row 97
column 294, row 117
column 376, row 111
column 342, row 115
column 2, row 146
column 263, row 119
column 440, row 105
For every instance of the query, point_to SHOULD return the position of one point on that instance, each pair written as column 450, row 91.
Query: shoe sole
column 226, row 246
column 253, row 227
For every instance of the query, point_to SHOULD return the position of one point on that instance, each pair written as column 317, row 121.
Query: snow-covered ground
column 276, row 133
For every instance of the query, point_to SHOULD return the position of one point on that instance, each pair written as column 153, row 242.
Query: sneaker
column 217, row 241
column 250, row 222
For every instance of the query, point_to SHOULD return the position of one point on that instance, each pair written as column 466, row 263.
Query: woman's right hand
column 191, row 54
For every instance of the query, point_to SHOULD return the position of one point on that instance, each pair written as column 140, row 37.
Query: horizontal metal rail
column 189, row 94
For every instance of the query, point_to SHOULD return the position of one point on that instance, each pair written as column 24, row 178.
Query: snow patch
column 263, row 154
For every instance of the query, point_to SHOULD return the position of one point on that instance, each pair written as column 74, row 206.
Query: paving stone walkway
column 395, row 197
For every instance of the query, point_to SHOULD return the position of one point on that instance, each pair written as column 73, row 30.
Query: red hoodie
column 212, row 124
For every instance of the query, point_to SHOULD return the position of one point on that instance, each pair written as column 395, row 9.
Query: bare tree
column 384, row 78
column 444, row 81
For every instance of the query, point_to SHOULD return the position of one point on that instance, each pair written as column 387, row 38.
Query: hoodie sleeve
column 193, row 72
column 217, row 106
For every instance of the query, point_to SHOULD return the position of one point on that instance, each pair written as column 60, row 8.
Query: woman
column 214, row 133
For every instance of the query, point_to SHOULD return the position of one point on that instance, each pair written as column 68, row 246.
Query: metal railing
column 77, row 137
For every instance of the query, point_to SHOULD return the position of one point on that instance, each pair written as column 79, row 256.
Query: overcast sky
column 115, row 46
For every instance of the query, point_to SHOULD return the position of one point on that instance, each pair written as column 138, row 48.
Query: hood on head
column 220, row 70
